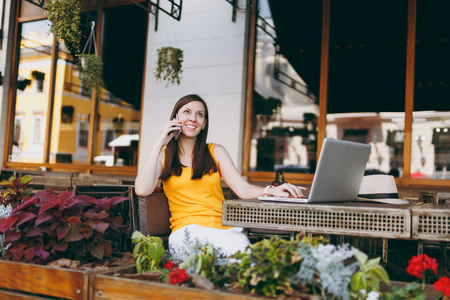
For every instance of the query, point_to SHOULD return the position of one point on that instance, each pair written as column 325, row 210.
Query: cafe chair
column 154, row 214
column 128, row 210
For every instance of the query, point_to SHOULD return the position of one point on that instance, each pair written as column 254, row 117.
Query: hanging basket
column 91, row 65
column 91, row 74
column 169, row 65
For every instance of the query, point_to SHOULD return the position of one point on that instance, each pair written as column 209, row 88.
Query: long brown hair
column 202, row 162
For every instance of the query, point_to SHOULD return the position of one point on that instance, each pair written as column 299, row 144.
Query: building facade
column 278, row 77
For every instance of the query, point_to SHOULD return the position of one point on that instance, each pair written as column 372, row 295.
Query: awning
column 124, row 140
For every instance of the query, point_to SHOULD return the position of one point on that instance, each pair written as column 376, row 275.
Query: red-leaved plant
column 49, row 226
column 16, row 190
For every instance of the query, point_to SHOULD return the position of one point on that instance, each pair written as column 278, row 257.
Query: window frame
column 405, row 180
column 36, row 15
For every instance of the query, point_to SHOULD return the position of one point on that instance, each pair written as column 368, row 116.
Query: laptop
column 338, row 175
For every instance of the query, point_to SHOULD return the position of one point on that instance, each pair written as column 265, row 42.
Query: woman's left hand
column 286, row 189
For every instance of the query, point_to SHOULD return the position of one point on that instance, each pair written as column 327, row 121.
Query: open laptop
column 338, row 175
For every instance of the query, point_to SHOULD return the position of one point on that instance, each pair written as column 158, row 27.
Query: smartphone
column 176, row 133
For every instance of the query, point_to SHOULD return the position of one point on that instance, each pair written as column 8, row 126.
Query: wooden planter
column 108, row 286
column 29, row 281
column 432, row 294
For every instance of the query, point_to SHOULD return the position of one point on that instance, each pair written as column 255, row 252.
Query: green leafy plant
column 16, row 190
column 267, row 266
column 49, row 226
column 169, row 65
column 148, row 252
column 368, row 277
column 411, row 290
column 91, row 74
column 65, row 21
column 201, row 262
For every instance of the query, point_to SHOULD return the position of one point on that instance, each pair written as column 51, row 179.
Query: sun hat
column 379, row 188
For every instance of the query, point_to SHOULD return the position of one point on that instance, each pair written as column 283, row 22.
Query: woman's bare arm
column 148, row 177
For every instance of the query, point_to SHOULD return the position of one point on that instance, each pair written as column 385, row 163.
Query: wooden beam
column 12, row 86
column 51, row 101
column 251, row 44
column 409, row 87
column 324, row 62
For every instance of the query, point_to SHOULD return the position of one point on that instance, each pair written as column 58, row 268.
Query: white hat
column 379, row 188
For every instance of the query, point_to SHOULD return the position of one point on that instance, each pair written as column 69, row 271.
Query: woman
column 191, row 172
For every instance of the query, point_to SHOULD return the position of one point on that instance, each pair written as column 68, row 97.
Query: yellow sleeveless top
column 195, row 201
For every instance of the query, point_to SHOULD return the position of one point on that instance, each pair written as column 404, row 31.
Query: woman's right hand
column 168, row 132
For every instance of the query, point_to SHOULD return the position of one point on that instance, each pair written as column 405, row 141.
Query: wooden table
column 414, row 221
column 347, row 218
column 359, row 219
column 431, row 223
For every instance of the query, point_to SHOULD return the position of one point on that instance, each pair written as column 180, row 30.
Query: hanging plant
column 169, row 65
column 38, row 75
column 91, row 74
column 91, row 65
column 65, row 21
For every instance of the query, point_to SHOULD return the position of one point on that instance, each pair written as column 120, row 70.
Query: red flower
column 420, row 263
column 169, row 265
column 178, row 276
column 443, row 284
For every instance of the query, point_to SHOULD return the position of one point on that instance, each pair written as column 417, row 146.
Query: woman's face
column 193, row 118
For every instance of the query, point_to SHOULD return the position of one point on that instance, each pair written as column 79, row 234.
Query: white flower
column 373, row 295
column 5, row 210
column 4, row 213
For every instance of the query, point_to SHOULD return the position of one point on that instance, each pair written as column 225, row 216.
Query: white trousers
column 226, row 241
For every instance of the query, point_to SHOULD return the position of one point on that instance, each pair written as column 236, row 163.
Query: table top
column 363, row 219
column 431, row 222
column 418, row 221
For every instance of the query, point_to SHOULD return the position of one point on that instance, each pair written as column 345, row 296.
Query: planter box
column 42, row 281
column 10, row 295
column 432, row 294
column 109, row 286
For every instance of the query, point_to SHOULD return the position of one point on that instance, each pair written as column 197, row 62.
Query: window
column 37, row 130
column 83, row 130
column 31, row 107
column 431, row 115
column 18, row 132
column 367, row 75
column 366, row 81
column 51, row 76
column 286, row 89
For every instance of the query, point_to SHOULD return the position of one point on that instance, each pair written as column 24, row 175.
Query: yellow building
column 71, row 109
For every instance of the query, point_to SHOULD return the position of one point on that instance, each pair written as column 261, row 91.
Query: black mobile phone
column 176, row 133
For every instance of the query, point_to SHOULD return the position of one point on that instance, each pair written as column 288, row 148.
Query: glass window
column 32, row 92
column 286, row 87
column 120, row 100
column 367, row 69
column 430, row 149
column 117, row 121
column 71, row 109
column 37, row 130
